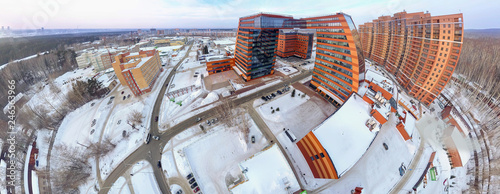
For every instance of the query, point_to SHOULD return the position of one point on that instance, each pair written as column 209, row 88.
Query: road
column 155, row 147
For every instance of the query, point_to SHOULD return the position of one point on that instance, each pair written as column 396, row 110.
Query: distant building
column 295, row 43
column 161, row 41
column 152, row 30
column 421, row 50
column 219, row 64
column 99, row 59
column 160, row 32
column 138, row 71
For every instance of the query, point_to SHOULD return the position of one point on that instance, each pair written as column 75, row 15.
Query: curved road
column 155, row 147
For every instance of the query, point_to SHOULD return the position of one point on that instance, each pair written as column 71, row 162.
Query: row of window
column 341, row 37
column 335, row 55
column 335, row 68
column 348, row 66
column 316, row 78
column 322, row 19
column 324, row 24
column 334, row 48
column 338, row 43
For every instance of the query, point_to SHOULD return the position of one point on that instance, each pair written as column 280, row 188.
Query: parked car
column 192, row 181
column 213, row 120
column 159, row 164
column 112, row 97
column 124, row 97
column 189, row 176
column 198, row 119
column 123, row 92
column 128, row 96
column 179, row 192
column 253, row 138
column 279, row 92
column 274, row 95
column 156, row 137
column 148, row 138
column 263, row 98
column 156, row 119
column 196, row 190
column 194, row 185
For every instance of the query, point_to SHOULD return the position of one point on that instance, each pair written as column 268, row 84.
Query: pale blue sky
column 19, row 14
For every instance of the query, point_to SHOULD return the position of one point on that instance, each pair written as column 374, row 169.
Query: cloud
column 220, row 13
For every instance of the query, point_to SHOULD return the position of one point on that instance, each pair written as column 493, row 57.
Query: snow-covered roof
column 344, row 135
column 143, row 61
column 216, row 58
column 224, row 42
column 267, row 172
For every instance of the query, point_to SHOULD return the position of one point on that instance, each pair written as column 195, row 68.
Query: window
column 322, row 155
column 316, row 157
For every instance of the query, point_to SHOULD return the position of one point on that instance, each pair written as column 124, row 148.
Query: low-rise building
column 219, row 64
column 295, row 43
column 138, row 71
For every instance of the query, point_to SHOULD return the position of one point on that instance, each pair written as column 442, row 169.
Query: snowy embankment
column 267, row 85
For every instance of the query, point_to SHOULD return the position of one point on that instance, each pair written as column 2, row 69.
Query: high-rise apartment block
column 339, row 57
column 100, row 60
column 295, row 43
column 138, row 71
column 421, row 50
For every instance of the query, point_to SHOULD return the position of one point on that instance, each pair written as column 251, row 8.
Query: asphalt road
column 155, row 147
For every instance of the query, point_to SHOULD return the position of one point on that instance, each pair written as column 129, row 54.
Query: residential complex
column 420, row 50
column 219, row 64
column 138, row 70
column 100, row 60
column 339, row 57
column 356, row 121
column 295, row 43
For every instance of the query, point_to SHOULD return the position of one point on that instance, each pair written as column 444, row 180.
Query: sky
column 131, row 14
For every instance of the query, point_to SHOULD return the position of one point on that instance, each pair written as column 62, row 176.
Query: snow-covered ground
column 267, row 172
column 42, row 143
column 287, row 70
column 143, row 179
column 34, row 182
column 212, row 157
column 299, row 114
column 3, row 173
column 120, row 186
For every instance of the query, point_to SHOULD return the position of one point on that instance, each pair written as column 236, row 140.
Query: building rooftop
column 345, row 135
column 216, row 58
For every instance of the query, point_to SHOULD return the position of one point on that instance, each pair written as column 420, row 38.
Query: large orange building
column 339, row 56
column 138, row 71
column 295, row 43
column 421, row 50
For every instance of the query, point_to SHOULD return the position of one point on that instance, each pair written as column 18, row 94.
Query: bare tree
column 135, row 118
column 73, row 169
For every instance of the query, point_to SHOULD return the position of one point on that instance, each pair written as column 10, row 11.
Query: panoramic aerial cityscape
column 200, row 96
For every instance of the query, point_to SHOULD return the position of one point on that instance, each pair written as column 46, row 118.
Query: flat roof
column 344, row 134
column 216, row 58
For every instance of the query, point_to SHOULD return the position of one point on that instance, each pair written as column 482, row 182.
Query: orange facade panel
column 317, row 158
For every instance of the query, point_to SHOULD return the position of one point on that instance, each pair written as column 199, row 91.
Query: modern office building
column 339, row 57
column 421, row 50
column 218, row 64
column 295, row 43
column 138, row 71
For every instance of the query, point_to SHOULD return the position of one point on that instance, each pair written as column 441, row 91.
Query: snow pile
column 168, row 164
column 267, row 172
column 211, row 97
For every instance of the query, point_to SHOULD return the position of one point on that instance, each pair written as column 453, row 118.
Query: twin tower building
column 420, row 50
